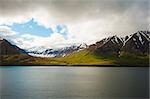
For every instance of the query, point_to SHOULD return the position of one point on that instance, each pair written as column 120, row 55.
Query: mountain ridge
column 113, row 45
column 60, row 52
column 131, row 50
column 137, row 43
column 6, row 48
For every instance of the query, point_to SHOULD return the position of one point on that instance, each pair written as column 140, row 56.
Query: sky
column 32, row 24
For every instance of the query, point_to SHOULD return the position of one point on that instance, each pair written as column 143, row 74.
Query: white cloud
column 52, row 12
column 6, row 31
column 55, row 40
column 87, row 20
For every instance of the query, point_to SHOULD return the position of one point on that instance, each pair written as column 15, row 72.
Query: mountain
column 60, row 52
column 109, row 46
column 132, row 50
column 137, row 43
column 6, row 48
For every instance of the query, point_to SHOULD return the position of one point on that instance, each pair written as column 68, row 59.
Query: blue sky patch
column 62, row 29
column 31, row 27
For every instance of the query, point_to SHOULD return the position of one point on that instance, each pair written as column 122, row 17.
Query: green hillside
column 22, row 59
column 86, row 57
column 83, row 57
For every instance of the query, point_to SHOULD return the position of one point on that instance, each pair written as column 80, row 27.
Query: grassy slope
column 83, row 57
column 133, row 60
column 88, row 58
column 25, row 60
column 78, row 58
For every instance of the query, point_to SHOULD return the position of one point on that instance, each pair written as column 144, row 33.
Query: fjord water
column 74, row 82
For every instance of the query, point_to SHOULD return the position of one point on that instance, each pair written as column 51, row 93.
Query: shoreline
column 59, row 65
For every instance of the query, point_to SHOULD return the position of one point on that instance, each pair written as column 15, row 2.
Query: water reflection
column 74, row 82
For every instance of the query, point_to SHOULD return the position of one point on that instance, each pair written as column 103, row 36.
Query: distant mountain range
column 132, row 50
column 58, row 52
column 137, row 43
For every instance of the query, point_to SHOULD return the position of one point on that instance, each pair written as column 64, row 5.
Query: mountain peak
column 134, row 43
column 8, row 49
column 138, row 43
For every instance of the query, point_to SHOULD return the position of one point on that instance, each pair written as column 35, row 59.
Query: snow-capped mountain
column 137, row 43
column 110, row 45
column 113, row 40
column 37, row 49
column 57, row 52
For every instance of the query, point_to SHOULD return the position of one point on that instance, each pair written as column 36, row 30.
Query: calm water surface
column 74, row 82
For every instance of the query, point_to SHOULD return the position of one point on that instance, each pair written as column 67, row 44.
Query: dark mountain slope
column 137, row 43
column 108, row 46
column 6, row 48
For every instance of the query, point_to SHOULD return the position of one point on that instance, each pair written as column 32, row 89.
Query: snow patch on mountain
column 57, row 52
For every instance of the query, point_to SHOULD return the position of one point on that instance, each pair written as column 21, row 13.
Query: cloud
column 48, row 12
column 61, row 29
column 55, row 40
column 86, row 20
column 6, row 31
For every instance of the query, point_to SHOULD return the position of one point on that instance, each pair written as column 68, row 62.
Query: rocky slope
column 109, row 46
column 137, row 43
column 6, row 48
